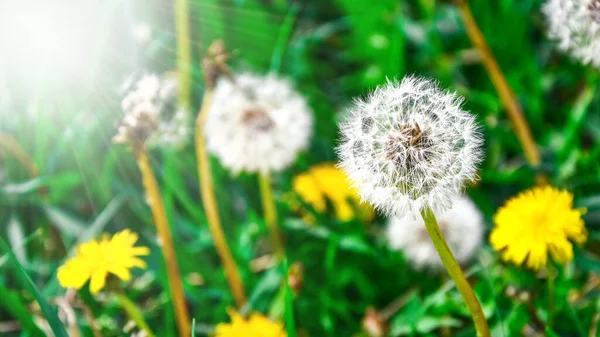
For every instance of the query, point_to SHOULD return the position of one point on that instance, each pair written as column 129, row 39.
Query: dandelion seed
column 151, row 113
column 575, row 25
column 96, row 259
column 256, row 325
column 410, row 146
column 257, row 124
column 462, row 226
column 538, row 223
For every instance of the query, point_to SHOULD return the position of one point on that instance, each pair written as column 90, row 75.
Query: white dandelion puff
column 575, row 25
column 462, row 226
column 151, row 113
column 410, row 146
column 257, row 123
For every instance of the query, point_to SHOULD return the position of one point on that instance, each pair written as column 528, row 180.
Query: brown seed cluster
column 257, row 119
column 135, row 129
column 214, row 64
column 409, row 137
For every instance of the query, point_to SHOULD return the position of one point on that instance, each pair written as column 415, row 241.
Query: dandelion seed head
column 151, row 113
column 257, row 123
column 575, row 25
column 410, row 146
column 462, row 226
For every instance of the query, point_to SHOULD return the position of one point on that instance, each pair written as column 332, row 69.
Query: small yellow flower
column 256, row 325
column 536, row 223
column 326, row 182
column 95, row 259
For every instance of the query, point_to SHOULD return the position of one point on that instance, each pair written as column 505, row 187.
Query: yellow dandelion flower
column 326, row 182
column 256, row 325
column 536, row 223
column 96, row 259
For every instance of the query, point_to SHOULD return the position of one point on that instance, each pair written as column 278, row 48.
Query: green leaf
column 55, row 324
column 550, row 332
column 283, row 38
column 67, row 223
column 12, row 302
column 101, row 220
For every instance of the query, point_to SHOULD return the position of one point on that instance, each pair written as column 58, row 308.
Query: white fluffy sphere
column 575, row 24
column 257, row 123
column 462, row 226
column 410, row 146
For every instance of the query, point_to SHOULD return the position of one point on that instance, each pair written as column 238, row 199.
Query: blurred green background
column 64, row 115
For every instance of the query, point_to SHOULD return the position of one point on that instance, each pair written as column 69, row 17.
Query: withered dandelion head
column 462, row 226
column 537, row 223
column 257, row 123
column 410, row 146
column 575, row 25
column 96, row 259
column 152, row 115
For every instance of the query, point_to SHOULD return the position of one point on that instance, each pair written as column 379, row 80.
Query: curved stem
column 212, row 212
column 134, row 313
column 166, row 242
column 270, row 213
column 13, row 147
column 507, row 95
column 456, row 273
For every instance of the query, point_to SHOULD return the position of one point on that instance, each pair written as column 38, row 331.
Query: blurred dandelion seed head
column 257, row 123
column 410, row 146
column 462, row 226
column 575, row 25
column 537, row 223
column 151, row 113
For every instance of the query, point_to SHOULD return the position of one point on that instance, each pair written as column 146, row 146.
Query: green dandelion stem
column 184, row 52
column 456, row 273
column 166, row 242
column 551, row 291
column 507, row 96
column 209, row 201
column 13, row 147
column 270, row 213
column 134, row 313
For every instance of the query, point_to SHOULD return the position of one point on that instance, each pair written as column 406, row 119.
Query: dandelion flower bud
column 151, row 113
column 257, row 124
column 410, row 146
column 575, row 24
column 462, row 226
